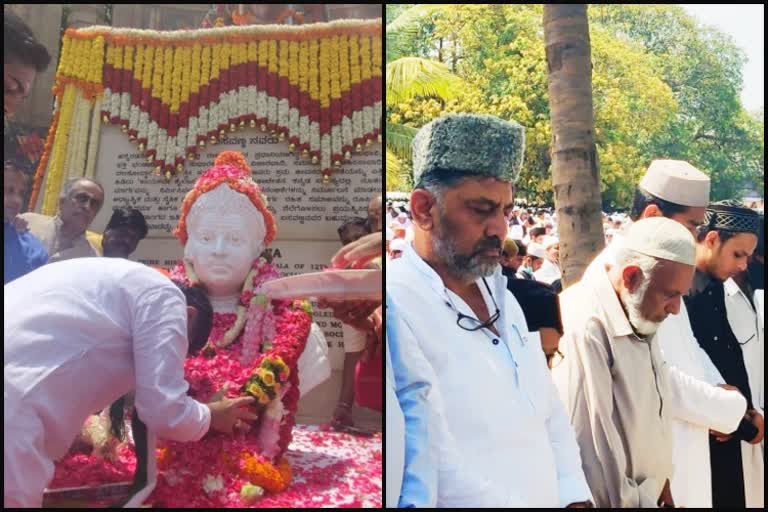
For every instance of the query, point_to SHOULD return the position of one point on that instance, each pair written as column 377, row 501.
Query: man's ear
column 651, row 210
column 711, row 240
column 632, row 277
column 422, row 202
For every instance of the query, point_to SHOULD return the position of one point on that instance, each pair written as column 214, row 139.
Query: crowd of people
column 641, row 385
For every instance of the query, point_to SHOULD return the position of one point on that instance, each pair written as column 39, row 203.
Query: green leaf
column 411, row 77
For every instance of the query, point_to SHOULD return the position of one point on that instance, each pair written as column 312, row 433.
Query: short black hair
column 131, row 218
column 444, row 178
column 521, row 250
column 537, row 231
column 198, row 299
column 21, row 44
column 643, row 199
column 354, row 221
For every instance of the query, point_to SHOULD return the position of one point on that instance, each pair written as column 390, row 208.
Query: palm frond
column 396, row 177
column 399, row 138
column 411, row 77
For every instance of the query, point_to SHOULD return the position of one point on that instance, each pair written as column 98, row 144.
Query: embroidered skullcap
column 731, row 216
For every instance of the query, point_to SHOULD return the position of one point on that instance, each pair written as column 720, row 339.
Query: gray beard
column 467, row 268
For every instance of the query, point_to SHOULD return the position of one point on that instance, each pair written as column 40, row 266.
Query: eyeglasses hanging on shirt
column 470, row 323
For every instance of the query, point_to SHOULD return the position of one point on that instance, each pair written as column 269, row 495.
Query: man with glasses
column 502, row 436
column 64, row 235
column 726, row 240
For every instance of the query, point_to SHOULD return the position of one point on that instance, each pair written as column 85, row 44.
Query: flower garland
column 173, row 91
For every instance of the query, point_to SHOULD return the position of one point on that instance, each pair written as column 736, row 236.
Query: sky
column 746, row 25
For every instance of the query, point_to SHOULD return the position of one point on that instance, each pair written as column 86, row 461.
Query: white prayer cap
column 516, row 232
column 661, row 238
column 676, row 181
column 398, row 244
column 549, row 241
column 402, row 215
column 536, row 250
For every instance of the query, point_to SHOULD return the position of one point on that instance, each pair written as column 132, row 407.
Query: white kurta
column 548, row 273
column 395, row 453
column 710, row 408
column 746, row 326
column 78, row 335
column 504, row 438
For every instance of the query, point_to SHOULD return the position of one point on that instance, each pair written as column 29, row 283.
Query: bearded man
column 501, row 434
column 613, row 378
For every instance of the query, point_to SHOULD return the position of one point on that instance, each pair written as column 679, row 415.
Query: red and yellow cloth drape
column 319, row 86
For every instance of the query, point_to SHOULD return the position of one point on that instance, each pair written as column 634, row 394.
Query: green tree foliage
column 663, row 87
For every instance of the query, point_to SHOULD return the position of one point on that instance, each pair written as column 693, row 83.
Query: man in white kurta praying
column 78, row 335
column 501, row 435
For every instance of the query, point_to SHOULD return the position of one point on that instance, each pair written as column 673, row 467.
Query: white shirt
column 504, row 438
column 395, row 453
column 81, row 333
column 548, row 273
column 710, row 408
column 747, row 327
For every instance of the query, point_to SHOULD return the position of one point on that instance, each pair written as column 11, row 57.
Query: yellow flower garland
column 304, row 66
column 205, row 68
column 354, row 59
column 344, row 63
column 157, row 78
column 365, row 58
column 325, row 67
column 376, row 55
column 293, row 69
column 176, row 84
column 322, row 61
column 186, row 80
column 314, row 90
column 56, row 168
column 264, row 54
column 97, row 60
column 272, row 56
column 167, row 75
column 284, row 63
column 335, row 72
column 146, row 69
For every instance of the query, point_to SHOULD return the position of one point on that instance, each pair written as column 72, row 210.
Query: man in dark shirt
column 538, row 301
column 22, row 252
column 724, row 244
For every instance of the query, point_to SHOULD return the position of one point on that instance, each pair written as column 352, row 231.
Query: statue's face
column 222, row 251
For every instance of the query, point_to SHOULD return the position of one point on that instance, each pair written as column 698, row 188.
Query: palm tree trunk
column 575, row 175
